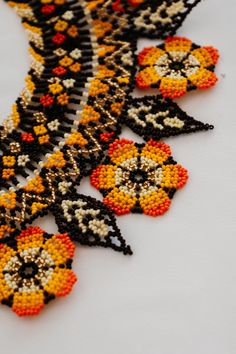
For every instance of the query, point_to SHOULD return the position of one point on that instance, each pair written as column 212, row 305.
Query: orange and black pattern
column 65, row 125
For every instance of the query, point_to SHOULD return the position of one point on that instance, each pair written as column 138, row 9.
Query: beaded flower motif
column 35, row 270
column 139, row 178
column 176, row 67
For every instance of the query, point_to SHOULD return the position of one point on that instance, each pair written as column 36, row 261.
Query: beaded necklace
column 66, row 123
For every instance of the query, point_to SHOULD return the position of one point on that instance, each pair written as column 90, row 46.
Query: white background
column 177, row 293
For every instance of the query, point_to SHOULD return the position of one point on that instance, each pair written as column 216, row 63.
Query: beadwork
column 89, row 222
column 34, row 270
column 177, row 67
column 155, row 117
column 71, row 111
column 139, row 178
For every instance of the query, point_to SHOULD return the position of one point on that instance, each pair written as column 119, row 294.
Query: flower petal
column 214, row 54
column 28, row 304
column 60, row 247
column 120, row 202
column 30, row 238
column 61, row 283
column 103, row 177
column 173, row 88
column 149, row 56
column 203, row 79
column 121, row 150
column 174, row 44
column 147, row 77
column 5, row 290
column 207, row 56
column 156, row 151
column 6, row 253
column 156, row 203
column 174, row 176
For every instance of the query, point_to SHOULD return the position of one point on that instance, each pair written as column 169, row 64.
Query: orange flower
column 73, row 31
column 177, row 67
column 63, row 99
column 66, row 61
column 101, row 28
column 61, row 26
column 36, row 271
column 7, row 173
column 75, row 68
column 44, row 139
column 40, row 129
column 9, row 161
column 55, row 88
column 139, row 178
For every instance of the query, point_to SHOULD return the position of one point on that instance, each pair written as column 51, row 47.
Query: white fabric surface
column 176, row 294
